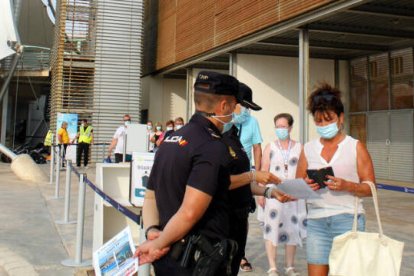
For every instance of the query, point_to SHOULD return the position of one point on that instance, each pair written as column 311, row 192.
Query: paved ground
column 31, row 243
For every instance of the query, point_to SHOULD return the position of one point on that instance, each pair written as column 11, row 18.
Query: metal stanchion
column 52, row 162
column 67, row 195
column 57, row 179
column 143, row 270
column 77, row 262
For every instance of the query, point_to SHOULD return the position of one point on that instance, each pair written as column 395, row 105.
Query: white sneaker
column 290, row 271
column 272, row 272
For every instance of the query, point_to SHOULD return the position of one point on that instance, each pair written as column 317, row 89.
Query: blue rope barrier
column 134, row 217
column 395, row 188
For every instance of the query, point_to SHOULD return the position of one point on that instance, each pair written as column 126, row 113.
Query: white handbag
column 357, row 253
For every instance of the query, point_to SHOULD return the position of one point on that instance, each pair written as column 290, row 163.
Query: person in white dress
column 284, row 223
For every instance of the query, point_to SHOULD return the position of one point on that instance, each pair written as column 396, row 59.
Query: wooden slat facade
column 190, row 27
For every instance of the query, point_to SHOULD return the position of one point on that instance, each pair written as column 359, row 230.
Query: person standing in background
column 150, row 133
column 117, row 142
column 179, row 123
column 85, row 138
column 63, row 141
column 156, row 135
column 168, row 130
column 284, row 223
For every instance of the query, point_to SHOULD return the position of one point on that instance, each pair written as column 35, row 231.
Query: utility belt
column 205, row 257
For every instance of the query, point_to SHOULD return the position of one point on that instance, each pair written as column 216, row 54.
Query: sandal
column 290, row 271
column 272, row 272
column 245, row 266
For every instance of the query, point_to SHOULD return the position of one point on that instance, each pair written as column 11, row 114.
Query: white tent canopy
column 7, row 29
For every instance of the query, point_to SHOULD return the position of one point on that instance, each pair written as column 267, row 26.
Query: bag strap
column 375, row 200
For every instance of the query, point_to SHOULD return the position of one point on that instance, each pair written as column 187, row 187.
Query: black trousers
column 83, row 148
column 239, row 225
column 62, row 149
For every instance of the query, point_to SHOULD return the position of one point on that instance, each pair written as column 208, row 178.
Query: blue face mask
column 242, row 117
column 328, row 131
column 282, row 133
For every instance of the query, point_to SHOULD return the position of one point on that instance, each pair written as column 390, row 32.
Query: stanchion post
column 68, row 183
column 52, row 162
column 57, row 173
column 143, row 270
column 79, row 229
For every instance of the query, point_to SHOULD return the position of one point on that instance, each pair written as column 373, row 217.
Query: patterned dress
column 284, row 223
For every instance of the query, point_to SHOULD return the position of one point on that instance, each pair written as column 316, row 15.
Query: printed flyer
column 115, row 257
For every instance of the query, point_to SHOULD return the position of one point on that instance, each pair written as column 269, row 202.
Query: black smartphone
column 319, row 176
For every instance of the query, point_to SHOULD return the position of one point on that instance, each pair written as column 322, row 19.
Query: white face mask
column 177, row 127
column 169, row 128
column 127, row 123
column 149, row 127
column 158, row 128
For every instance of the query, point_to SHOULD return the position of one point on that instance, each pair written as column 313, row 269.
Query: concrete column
column 303, row 84
column 233, row 65
column 189, row 94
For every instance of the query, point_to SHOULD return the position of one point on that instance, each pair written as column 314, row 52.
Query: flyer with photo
column 115, row 257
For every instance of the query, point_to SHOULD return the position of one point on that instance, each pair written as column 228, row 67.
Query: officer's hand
column 267, row 177
column 281, row 196
column 149, row 252
column 153, row 234
column 261, row 200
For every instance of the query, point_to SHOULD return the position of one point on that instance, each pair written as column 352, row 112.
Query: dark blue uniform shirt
column 195, row 156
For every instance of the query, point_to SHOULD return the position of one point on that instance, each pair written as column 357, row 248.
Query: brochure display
column 115, row 257
column 140, row 170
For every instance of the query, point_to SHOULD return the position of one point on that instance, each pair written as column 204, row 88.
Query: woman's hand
column 314, row 186
column 266, row 178
column 281, row 196
column 336, row 184
column 261, row 200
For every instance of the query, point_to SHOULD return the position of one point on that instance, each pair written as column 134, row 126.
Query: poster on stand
column 72, row 120
column 140, row 171
column 115, row 257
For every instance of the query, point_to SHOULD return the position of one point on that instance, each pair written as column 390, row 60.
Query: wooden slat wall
column 190, row 27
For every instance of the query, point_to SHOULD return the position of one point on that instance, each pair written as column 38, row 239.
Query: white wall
column 164, row 98
column 274, row 81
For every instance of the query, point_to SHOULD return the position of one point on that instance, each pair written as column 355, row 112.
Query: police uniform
column 195, row 156
column 241, row 199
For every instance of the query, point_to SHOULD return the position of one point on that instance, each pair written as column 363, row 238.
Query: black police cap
column 245, row 97
column 216, row 83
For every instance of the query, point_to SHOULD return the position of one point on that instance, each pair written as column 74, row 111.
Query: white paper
column 115, row 257
column 298, row 189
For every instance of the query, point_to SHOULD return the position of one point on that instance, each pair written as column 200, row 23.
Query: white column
column 303, row 84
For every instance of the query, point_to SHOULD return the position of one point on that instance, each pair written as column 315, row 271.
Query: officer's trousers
column 83, row 148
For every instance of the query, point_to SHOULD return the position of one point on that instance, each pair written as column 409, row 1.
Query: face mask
column 158, row 128
column 226, row 126
column 242, row 117
column 169, row 128
column 282, row 133
column 82, row 125
column 328, row 131
column 177, row 127
column 149, row 127
column 127, row 123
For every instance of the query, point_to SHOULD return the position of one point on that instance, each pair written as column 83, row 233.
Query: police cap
column 245, row 97
column 216, row 83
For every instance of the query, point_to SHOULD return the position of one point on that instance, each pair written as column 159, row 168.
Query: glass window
column 357, row 127
column 378, row 82
column 402, row 92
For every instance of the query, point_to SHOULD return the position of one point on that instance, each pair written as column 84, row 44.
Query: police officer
column 187, row 193
column 244, row 183
column 85, row 138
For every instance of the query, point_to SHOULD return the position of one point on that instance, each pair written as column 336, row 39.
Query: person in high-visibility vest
column 85, row 138
column 47, row 143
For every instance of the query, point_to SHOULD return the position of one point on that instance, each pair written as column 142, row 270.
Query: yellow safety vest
column 85, row 136
column 48, row 139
